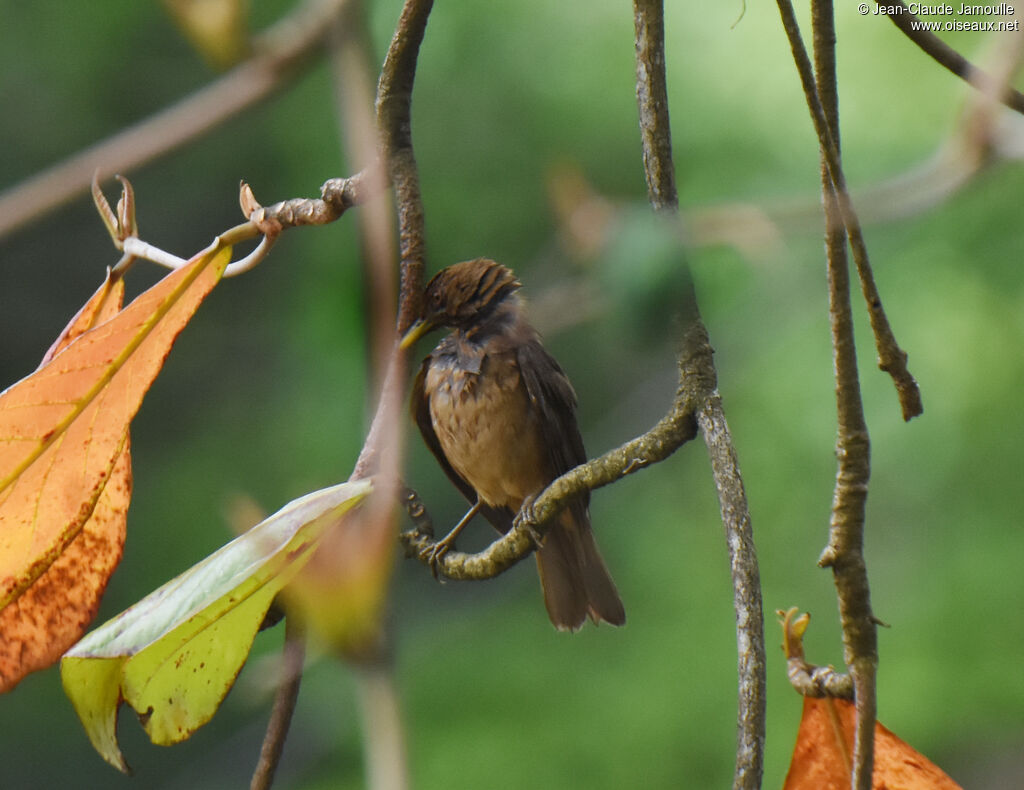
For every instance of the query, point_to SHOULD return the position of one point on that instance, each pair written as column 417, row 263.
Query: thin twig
column 846, row 531
column 746, row 579
column 337, row 195
column 394, row 123
column 284, row 706
column 394, row 98
column 891, row 358
column 807, row 679
column 386, row 761
column 278, row 55
column 652, row 102
column 943, row 54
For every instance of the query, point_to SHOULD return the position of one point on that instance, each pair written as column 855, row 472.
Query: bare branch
column 394, row 124
column 394, row 114
column 752, row 664
column 337, row 195
column 943, row 54
column 652, row 102
column 279, row 54
column 891, row 358
column 852, row 445
column 284, row 706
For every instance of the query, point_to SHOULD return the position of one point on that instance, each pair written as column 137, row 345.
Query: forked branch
column 891, row 358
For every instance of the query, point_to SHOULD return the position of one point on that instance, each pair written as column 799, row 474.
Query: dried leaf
column 63, row 428
column 824, row 745
column 54, row 612
column 175, row 654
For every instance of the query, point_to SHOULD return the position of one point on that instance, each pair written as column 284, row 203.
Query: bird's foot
column 525, row 519
column 433, row 555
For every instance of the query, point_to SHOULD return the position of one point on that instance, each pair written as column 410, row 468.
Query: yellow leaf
column 174, row 655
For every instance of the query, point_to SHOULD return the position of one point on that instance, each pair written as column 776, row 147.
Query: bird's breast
column 487, row 427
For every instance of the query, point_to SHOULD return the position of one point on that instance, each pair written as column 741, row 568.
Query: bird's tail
column 574, row 578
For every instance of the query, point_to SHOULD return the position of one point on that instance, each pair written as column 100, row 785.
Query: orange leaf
column 101, row 307
column 824, row 748
column 54, row 612
column 51, row 615
column 63, row 428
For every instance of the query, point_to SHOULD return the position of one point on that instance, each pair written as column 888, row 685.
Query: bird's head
column 462, row 296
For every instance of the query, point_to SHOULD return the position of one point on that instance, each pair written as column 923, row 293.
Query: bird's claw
column 433, row 555
column 525, row 519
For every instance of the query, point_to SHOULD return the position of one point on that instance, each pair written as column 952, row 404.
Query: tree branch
column 394, row 119
column 284, row 706
column 394, row 124
column 943, row 54
column 846, row 531
column 279, row 54
column 652, row 102
column 746, row 579
column 891, row 358
column 337, row 195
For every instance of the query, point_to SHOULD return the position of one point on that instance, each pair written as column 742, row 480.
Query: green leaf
column 174, row 655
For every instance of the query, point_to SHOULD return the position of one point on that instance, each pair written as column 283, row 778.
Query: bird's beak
column 416, row 331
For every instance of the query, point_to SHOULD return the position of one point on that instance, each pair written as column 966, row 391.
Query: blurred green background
column 264, row 393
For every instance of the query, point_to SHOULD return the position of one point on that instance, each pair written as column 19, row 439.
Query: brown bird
column 498, row 413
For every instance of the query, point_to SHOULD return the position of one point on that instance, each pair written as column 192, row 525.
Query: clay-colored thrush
column 498, row 413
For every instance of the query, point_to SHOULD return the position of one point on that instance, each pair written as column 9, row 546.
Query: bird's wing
column 501, row 518
column 554, row 400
